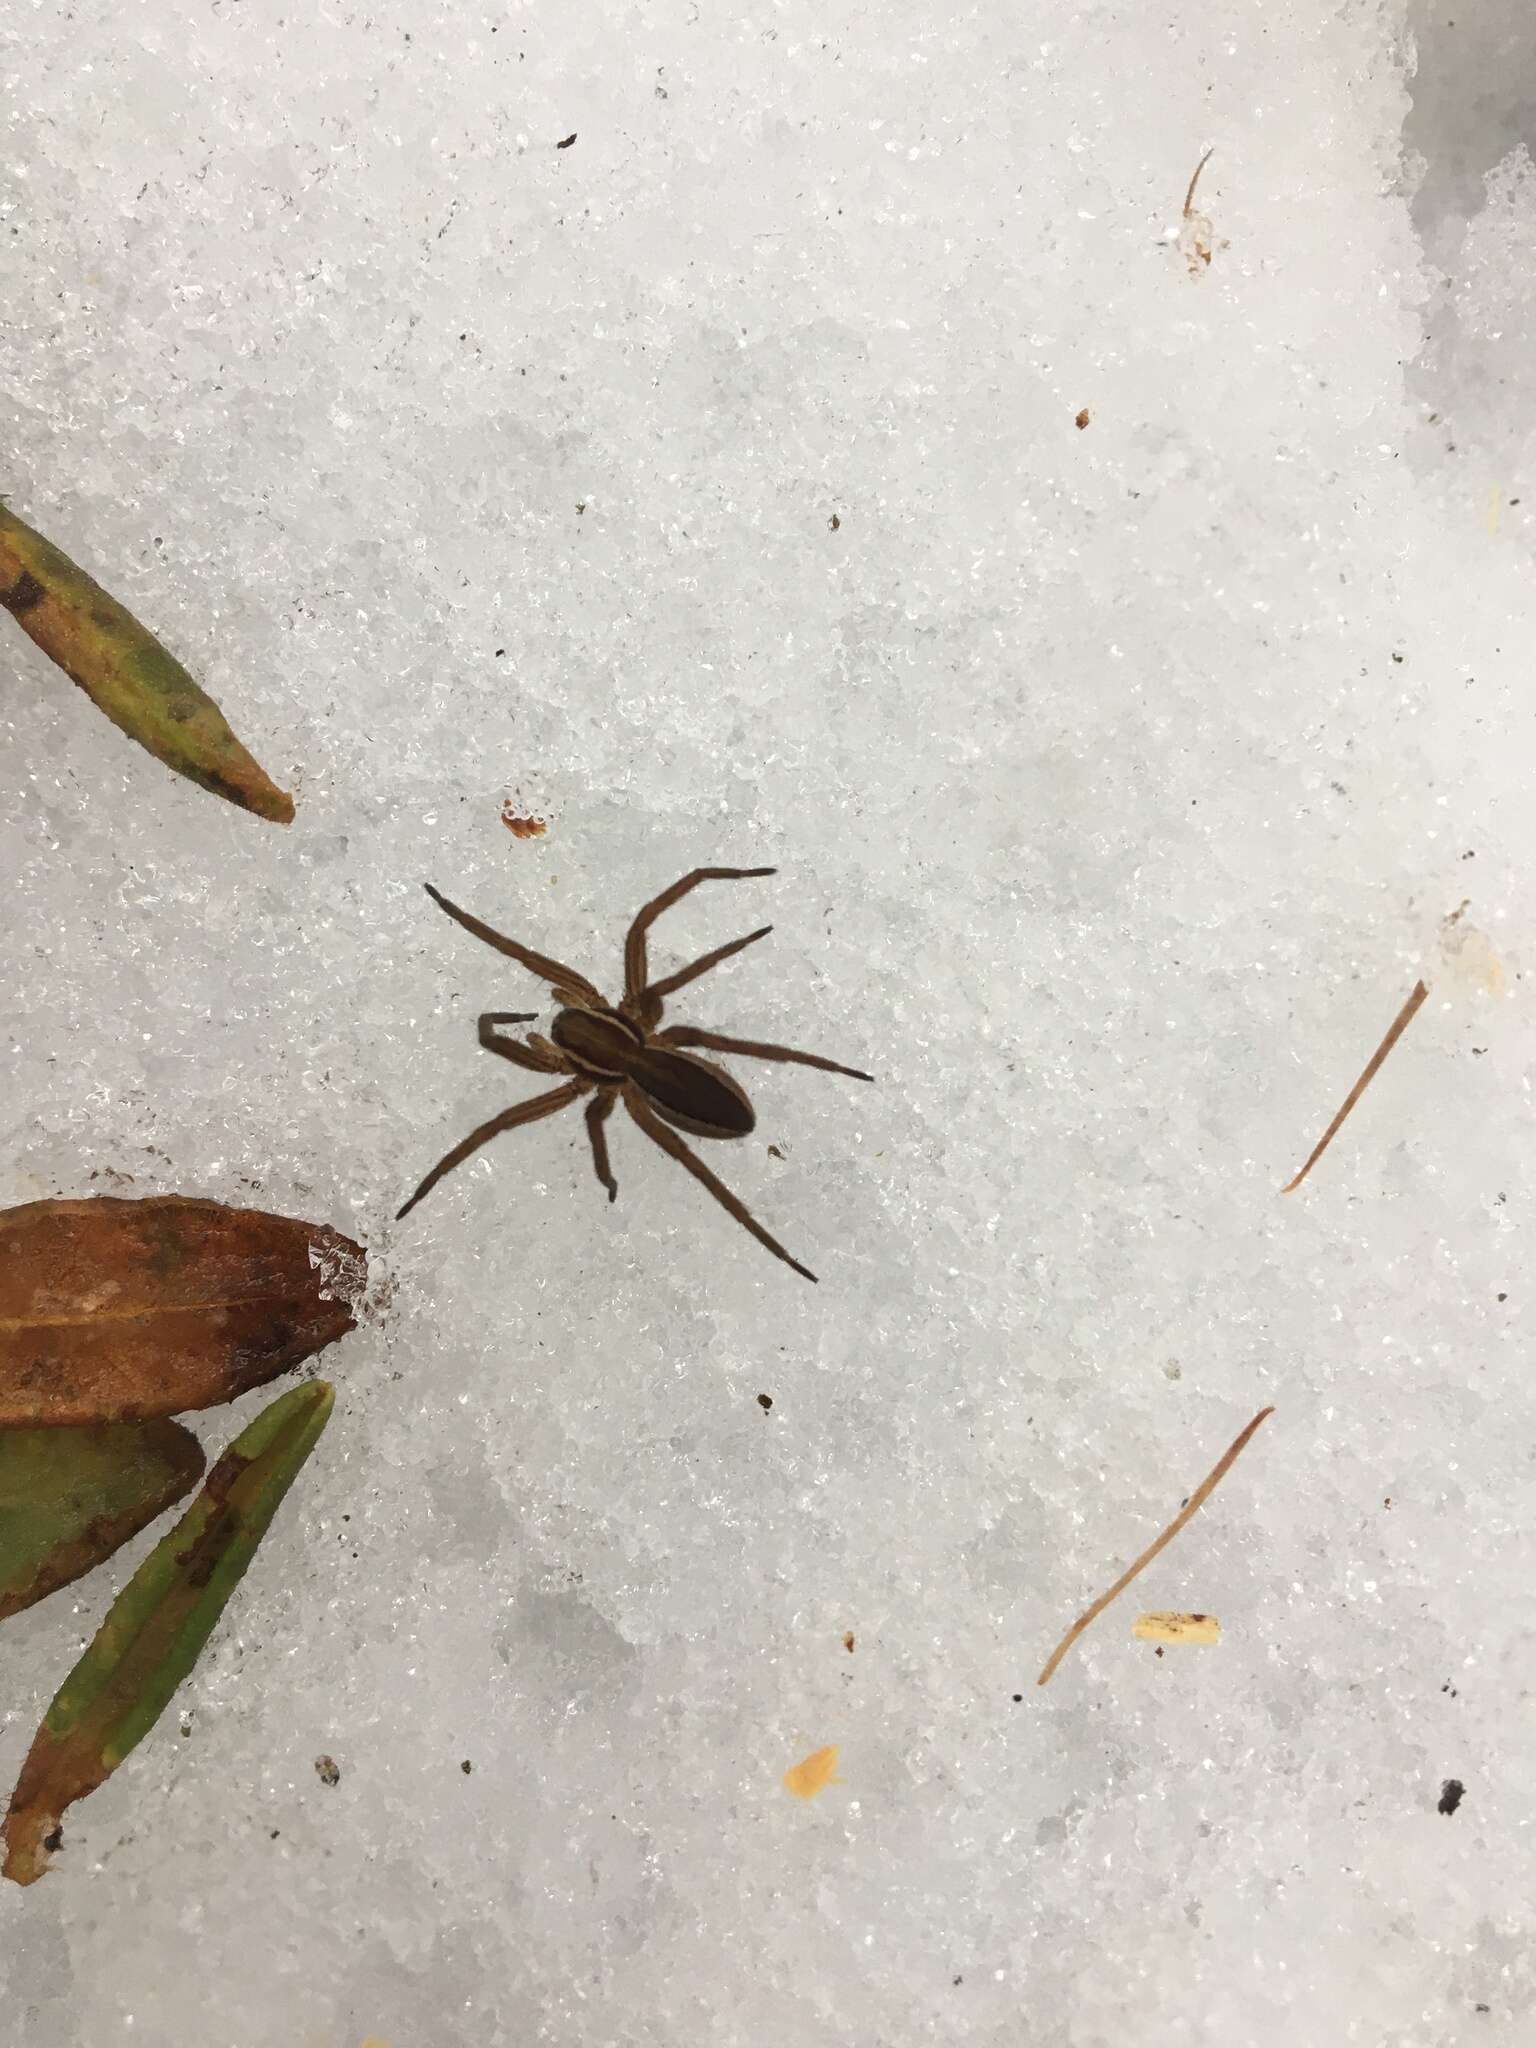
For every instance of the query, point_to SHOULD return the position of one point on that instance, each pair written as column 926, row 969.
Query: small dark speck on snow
column 1451, row 1794
column 567, row 142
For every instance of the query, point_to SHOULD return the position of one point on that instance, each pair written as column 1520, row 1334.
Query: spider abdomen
column 692, row 1094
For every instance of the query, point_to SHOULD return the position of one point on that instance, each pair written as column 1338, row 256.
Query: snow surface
column 712, row 489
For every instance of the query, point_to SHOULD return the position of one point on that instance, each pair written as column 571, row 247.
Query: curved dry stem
column 1189, row 196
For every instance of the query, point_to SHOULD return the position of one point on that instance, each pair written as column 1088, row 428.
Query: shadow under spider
column 621, row 1055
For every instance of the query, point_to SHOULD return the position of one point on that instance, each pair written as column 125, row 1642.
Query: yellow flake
column 813, row 1774
column 1469, row 956
column 1177, row 1628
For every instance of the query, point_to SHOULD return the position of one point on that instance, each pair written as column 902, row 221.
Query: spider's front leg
column 753, row 1048
column 646, row 1008
column 569, row 987
column 638, row 997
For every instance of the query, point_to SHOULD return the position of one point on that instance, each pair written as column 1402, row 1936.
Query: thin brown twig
column 1189, row 196
column 1399, row 1025
column 1190, row 1509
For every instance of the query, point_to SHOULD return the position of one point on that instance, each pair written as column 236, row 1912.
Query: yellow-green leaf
column 125, row 671
column 70, row 1497
column 157, row 1626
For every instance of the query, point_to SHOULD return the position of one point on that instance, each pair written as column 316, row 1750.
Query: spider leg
column 754, row 1049
column 570, row 986
column 647, row 1006
column 663, row 1135
column 529, row 1056
column 520, row 1113
column 599, row 1109
column 634, row 945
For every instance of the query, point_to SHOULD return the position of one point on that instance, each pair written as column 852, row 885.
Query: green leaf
column 125, row 671
column 70, row 1497
column 157, row 1626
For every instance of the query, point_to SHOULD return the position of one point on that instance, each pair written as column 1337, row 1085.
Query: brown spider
column 619, row 1055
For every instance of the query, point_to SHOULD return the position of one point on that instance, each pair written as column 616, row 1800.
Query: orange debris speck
column 520, row 827
column 813, row 1774
column 1082, row 419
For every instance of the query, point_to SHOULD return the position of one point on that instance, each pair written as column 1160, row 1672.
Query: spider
column 620, row 1055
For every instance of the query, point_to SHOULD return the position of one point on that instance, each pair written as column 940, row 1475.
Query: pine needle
column 1400, row 1024
column 1190, row 1509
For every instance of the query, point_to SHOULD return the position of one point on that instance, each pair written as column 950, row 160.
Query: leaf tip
column 276, row 807
column 31, row 1839
column 322, row 1394
column 241, row 780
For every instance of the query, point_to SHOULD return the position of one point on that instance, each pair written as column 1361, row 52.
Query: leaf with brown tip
column 70, row 1497
column 114, row 1311
column 125, row 671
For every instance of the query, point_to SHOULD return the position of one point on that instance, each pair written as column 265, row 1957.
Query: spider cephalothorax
column 622, row 1055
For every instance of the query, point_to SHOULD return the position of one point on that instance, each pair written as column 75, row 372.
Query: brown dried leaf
column 114, row 1311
